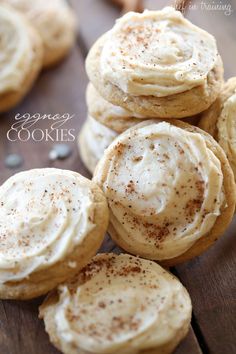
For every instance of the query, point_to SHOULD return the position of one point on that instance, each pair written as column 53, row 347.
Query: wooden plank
column 20, row 329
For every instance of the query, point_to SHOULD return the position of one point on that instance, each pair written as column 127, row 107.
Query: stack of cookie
column 149, row 65
column 34, row 35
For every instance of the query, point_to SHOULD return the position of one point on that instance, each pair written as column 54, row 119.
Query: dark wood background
column 210, row 278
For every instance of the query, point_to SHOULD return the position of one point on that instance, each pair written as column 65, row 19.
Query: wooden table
column 209, row 278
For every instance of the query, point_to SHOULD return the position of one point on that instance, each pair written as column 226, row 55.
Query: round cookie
column 170, row 190
column 156, row 64
column 118, row 304
column 21, row 62
column 55, row 22
column 52, row 223
column 220, row 121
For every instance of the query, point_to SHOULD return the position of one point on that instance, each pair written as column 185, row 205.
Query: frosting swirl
column 44, row 214
column 16, row 50
column 121, row 304
column 164, row 188
column 226, row 126
column 157, row 53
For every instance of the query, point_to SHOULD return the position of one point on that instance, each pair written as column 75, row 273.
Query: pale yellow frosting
column 164, row 188
column 226, row 126
column 157, row 53
column 16, row 50
column 121, row 304
column 44, row 214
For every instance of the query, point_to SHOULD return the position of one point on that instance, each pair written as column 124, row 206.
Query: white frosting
column 157, row 53
column 226, row 126
column 15, row 48
column 164, row 188
column 44, row 214
column 121, row 304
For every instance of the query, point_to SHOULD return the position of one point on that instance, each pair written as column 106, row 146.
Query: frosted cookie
column 118, row 305
column 52, row 222
column 54, row 21
column 170, row 190
column 220, row 121
column 157, row 64
column 93, row 139
column 21, row 57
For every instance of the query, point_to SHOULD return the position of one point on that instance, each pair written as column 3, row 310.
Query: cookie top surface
column 16, row 49
column 157, row 53
column 164, row 187
column 44, row 214
column 118, row 304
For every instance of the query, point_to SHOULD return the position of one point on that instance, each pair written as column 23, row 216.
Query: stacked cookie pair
column 150, row 65
column 34, row 35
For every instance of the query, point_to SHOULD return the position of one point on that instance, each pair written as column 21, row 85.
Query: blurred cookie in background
column 21, row 57
column 56, row 23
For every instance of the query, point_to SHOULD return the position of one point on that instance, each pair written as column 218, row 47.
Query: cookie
column 21, row 57
column 157, row 64
column 52, row 223
column 55, row 22
column 219, row 121
column 118, row 304
column 93, row 139
column 170, row 190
